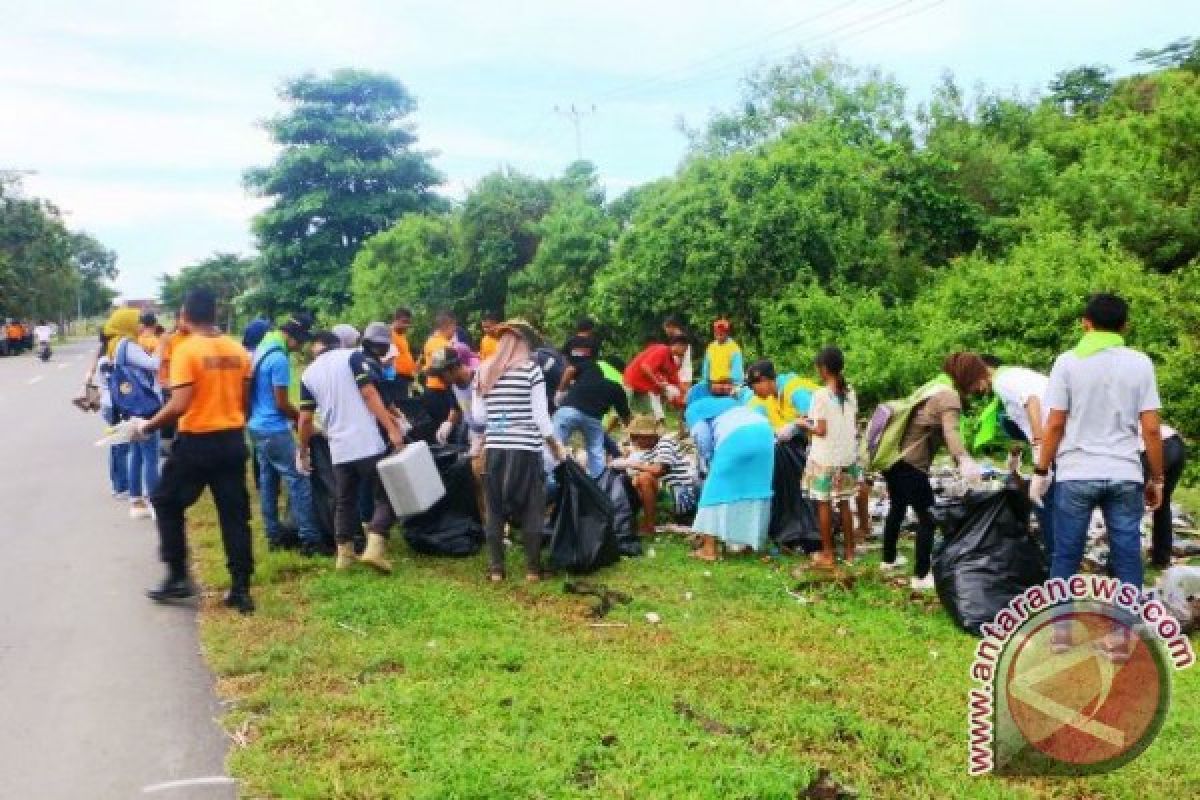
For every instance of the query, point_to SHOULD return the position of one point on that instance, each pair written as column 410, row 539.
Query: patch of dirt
column 707, row 723
column 824, row 787
column 606, row 599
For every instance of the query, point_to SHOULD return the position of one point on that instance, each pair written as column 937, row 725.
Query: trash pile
column 1186, row 544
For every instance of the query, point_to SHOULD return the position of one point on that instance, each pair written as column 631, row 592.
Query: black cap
column 299, row 328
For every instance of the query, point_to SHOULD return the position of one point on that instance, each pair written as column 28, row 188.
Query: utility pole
column 576, row 115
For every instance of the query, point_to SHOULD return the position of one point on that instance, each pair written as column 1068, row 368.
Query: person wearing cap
column 270, row 427
column 438, row 400
column 653, row 375
column 456, row 366
column 348, row 335
column 764, row 399
column 512, row 398
column 340, row 385
column 581, row 350
column 254, row 332
column 657, row 463
column 723, row 358
column 582, row 409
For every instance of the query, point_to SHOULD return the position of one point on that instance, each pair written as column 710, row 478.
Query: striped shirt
column 668, row 454
column 518, row 416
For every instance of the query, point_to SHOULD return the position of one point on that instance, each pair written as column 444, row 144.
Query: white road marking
column 63, row 366
column 35, row 379
column 214, row 780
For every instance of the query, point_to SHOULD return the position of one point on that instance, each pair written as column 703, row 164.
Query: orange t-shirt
column 405, row 365
column 488, row 346
column 217, row 368
column 170, row 342
column 434, row 344
column 14, row 331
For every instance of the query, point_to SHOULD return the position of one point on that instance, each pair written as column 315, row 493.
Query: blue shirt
column 271, row 370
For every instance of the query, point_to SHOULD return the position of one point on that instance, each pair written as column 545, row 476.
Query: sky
column 138, row 117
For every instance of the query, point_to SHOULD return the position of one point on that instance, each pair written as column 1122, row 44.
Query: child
column 723, row 358
column 832, row 473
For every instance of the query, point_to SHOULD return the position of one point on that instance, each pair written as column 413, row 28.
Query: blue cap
column 255, row 332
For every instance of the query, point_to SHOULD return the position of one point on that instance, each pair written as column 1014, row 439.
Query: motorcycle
column 44, row 351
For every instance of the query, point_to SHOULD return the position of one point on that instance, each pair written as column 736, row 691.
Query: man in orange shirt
column 403, row 362
column 209, row 381
column 438, row 398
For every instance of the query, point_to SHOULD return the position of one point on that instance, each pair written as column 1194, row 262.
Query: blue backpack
column 132, row 388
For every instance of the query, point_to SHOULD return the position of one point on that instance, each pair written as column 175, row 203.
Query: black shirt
column 581, row 349
column 593, row 394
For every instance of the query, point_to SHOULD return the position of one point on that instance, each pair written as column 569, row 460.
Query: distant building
column 143, row 305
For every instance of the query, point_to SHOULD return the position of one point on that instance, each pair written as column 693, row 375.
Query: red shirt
column 659, row 359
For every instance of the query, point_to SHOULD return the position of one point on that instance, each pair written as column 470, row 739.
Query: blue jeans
column 568, row 420
column 276, row 456
column 1122, row 503
column 143, row 467
column 118, row 467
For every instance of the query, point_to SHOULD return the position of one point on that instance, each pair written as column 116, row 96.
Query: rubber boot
column 345, row 556
column 376, row 553
column 176, row 586
column 238, row 596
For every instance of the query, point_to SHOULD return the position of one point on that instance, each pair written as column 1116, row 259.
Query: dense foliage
column 823, row 209
column 231, row 277
column 46, row 270
column 347, row 170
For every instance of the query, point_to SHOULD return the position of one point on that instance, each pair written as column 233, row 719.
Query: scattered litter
column 708, row 723
column 608, row 740
column 688, row 595
column 651, row 553
column 352, row 629
column 653, row 618
column 605, row 597
column 824, row 787
column 708, row 573
column 842, row 632
column 608, row 624
column 801, row 599
column 431, row 644
column 933, row 653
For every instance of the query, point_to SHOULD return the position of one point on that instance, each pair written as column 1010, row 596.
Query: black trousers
column 909, row 487
column 438, row 404
column 216, row 461
column 349, row 477
column 1174, row 460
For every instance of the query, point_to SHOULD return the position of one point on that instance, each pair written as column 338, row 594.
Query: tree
column 1082, row 90
column 97, row 266
column 37, row 277
column 228, row 275
column 348, row 169
column 1183, row 53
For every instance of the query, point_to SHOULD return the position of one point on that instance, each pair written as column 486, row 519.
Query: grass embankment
column 432, row 683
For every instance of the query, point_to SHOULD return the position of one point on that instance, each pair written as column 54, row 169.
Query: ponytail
column 832, row 360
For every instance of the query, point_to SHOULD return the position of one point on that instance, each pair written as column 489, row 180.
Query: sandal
column 535, row 577
column 1118, row 652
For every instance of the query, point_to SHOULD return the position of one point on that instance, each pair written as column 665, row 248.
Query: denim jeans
column 1122, row 503
column 1045, row 515
column 568, row 420
column 118, row 467
column 276, row 456
column 143, row 467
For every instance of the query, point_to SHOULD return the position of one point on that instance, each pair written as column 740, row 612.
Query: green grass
column 431, row 683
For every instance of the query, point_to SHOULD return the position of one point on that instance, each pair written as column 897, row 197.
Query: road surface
column 103, row 694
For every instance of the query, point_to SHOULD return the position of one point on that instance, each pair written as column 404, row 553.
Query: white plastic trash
column 412, row 480
column 1181, row 594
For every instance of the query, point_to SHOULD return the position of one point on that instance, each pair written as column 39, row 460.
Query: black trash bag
column 987, row 556
column 619, row 494
column 452, row 526
column 793, row 517
column 324, row 488
column 423, row 429
column 583, row 538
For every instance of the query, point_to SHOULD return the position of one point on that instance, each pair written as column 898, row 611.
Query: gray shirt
column 1104, row 396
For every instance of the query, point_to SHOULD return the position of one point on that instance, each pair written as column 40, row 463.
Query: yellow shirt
column 217, row 368
column 488, row 346
column 404, row 364
column 775, row 411
column 797, row 386
column 720, row 360
column 435, row 343
column 149, row 342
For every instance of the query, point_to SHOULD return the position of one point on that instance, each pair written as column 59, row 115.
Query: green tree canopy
column 228, row 275
column 347, row 169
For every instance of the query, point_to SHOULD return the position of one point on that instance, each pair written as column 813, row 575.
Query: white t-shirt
column 43, row 333
column 1104, row 396
column 1016, row 386
column 331, row 386
column 685, row 367
column 839, row 446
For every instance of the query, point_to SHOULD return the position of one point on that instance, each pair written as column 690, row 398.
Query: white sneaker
column 889, row 566
column 140, row 511
column 925, row 584
column 120, row 495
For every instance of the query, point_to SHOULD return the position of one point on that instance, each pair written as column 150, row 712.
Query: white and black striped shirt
column 517, row 414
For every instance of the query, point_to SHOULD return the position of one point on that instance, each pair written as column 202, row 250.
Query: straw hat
column 519, row 327
column 643, row 425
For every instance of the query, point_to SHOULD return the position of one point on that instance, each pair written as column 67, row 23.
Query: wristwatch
column 1041, row 472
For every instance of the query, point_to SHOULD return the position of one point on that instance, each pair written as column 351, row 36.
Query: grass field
column 431, row 683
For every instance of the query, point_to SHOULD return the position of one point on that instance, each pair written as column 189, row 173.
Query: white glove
column 302, row 464
column 557, row 452
column 1037, row 454
column 560, row 397
column 1038, row 488
column 971, row 473
column 137, row 429
column 786, row 433
column 619, row 463
column 672, row 392
column 443, row 432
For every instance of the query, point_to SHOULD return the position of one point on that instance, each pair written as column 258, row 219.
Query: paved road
column 102, row 693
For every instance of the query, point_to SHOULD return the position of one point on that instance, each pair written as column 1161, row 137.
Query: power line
column 576, row 115
column 724, row 54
